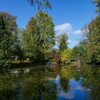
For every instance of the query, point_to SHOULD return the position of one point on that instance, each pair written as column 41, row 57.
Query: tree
column 93, row 40
column 81, row 51
column 30, row 40
column 90, row 47
column 66, row 56
column 38, row 39
column 46, row 32
column 40, row 4
column 56, row 58
column 97, row 3
column 16, row 52
column 8, row 36
column 62, row 42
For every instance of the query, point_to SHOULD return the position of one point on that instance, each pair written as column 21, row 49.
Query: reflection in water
column 39, row 91
column 50, row 84
column 64, row 84
column 6, row 88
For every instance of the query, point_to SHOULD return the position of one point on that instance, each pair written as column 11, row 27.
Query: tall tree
column 46, row 32
column 30, row 39
column 63, row 42
column 8, row 36
column 93, row 40
column 38, row 39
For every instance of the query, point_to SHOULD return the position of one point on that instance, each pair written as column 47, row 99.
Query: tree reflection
column 64, row 84
column 65, row 75
column 38, row 91
column 91, row 80
column 6, row 88
column 37, row 86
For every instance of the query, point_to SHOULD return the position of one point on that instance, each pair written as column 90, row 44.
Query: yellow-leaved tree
column 66, row 56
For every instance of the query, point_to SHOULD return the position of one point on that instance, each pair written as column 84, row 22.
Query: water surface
column 57, row 83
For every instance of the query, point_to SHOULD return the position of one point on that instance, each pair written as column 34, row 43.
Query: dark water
column 56, row 83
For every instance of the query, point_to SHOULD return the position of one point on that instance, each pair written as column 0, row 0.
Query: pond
column 53, row 83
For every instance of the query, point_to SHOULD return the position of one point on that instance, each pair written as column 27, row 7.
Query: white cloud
column 77, row 32
column 69, row 41
column 69, row 95
column 63, row 28
column 73, row 34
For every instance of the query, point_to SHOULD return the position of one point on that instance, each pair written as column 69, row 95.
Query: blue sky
column 69, row 16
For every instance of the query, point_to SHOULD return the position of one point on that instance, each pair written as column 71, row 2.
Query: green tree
column 90, row 47
column 40, row 4
column 93, row 40
column 16, row 52
column 62, row 42
column 81, row 50
column 97, row 3
column 8, row 36
column 38, row 39
column 30, row 40
column 45, row 32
